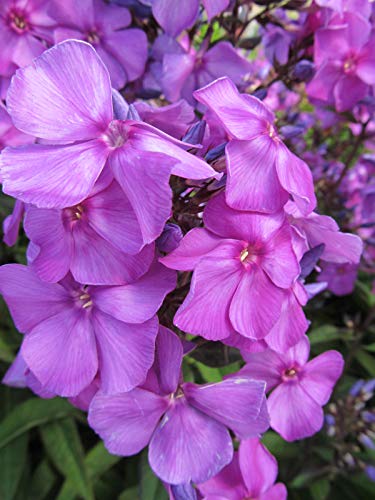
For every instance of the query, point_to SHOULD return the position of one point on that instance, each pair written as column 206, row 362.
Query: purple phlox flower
column 251, row 474
column 123, row 51
column 185, row 425
column 340, row 278
column 99, row 240
column 277, row 42
column 303, row 71
column 249, row 257
column 182, row 69
column 65, row 97
column 262, row 172
column 345, row 57
column 181, row 491
column 25, row 28
column 140, row 8
column 358, row 7
column 173, row 119
column 339, row 248
column 74, row 332
column 280, row 98
column 300, row 387
column 174, row 17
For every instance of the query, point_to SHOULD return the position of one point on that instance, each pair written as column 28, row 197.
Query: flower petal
column 138, row 301
column 126, row 421
column 52, row 176
column 205, row 312
column 294, row 414
column 61, row 352
column 235, row 402
column 256, row 305
column 168, row 359
column 178, row 451
column 296, row 178
column 65, row 94
column 174, row 17
column 126, row 351
column 258, row 466
column 320, row 375
column 30, row 299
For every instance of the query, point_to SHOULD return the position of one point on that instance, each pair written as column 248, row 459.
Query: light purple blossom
column 299, row 387
column 74, row 332
column 262, row 172
column 251, row 474
column 184, row 424
column 123, row 51
column 340, row 278
column 250, row 258
column 65, row 98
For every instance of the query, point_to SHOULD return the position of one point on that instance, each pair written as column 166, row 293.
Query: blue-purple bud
column 290, row 131
column 195, row 133
column 260, row 94
column 303, row 71
column 170, row 238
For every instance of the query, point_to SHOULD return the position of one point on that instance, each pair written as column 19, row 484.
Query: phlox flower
column 9, row 135
column 74, row 332
column 123, row 51
column 65, row 97
column 262, row 172
column 244, row 266
column 24, row 26
column 251, row 474
column 180, row 68
column 185, row 425
column 99, row 240
column 299, row 387
column 175, row 17
column 345, row 56
column 340, row 278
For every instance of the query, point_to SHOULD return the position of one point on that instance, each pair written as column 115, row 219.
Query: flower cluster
column 153, row 229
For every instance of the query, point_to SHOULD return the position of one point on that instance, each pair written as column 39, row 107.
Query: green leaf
column 367, row 361
column 30, row 414
column 12, row 462
column 6, row 352
column 42, row 481
column 208, row 373
column 370, row 347
column 278, row 447
column 130, row 494
column 320, row 489
column 324, row 333
column 150, row 487
column 97, row 462
column 63, row 446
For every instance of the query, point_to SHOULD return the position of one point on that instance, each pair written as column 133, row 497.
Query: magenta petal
column 45, row 228
column 235, row 402
column 133, row 59
column 348, row 91
column 178, row 451
column 277, row 492
column 110, row 214
column 266, row 365
column 322, row 85
column 256, row 304
column 243, row 117
column 296, row 178
column 145, row 181
column 15, row 376
column 11, row 224
column 176, row 70
column 95, row 261
column 138, row 301
column 193, row 247
column 280, row 262
column 294, row 414
column 205, row 312
column 29, row 299
column 321, row 374
column 65, row 94
column 145, row 137
column 224, row 59
column 253, row 183
column 126, row 351
column 258, row 466
column 227, row 485
column 175, row 17
column 61, row 352
column 214, row 7
column 52, row 176
column 126, row 421
column 290, row 327
column 168, row 357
